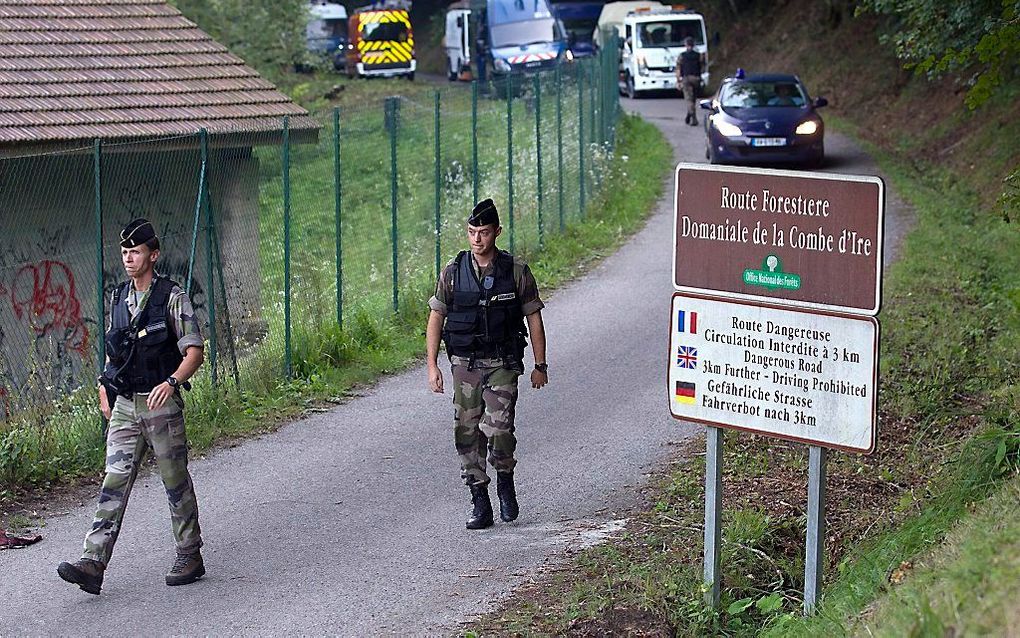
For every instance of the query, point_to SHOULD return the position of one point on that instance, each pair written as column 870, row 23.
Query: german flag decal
column 684, row 392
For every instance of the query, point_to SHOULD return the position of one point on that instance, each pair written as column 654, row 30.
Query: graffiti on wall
column 46, row 339
column 44, row 296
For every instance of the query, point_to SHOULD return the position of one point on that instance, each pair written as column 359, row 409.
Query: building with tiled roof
column 141, row 80
column 124, row 69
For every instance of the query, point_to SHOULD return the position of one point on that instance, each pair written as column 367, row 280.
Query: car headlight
column 642, row 64
column 725, row 128
column 501, row 65
column 807, row 128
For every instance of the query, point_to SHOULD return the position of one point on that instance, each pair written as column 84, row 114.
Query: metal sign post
column 815, row 555
column 713, row 515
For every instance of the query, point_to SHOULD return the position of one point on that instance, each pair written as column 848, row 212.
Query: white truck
column 457, row 41
column 652, row 37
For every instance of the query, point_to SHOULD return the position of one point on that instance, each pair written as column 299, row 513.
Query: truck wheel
column 410, row 76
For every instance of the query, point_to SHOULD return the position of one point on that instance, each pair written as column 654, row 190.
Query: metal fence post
column 287, row 362
column 538, row 155
column 338, row 210
column 391, row 109
column 97, row 176
column 580, row 140
column 474, row 141
column 559, row 141
column 210, row 293
column 510, row 153
column 591, row 102
column 438, row 177
column 199, row 203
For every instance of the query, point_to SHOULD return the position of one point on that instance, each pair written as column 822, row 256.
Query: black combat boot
column 481, row 516
column 85, row 573
column 187, row 568
column 508, row 508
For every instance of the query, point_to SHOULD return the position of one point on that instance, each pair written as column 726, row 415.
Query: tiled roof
column 73, row 70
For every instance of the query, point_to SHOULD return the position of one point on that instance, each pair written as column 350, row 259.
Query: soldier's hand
column 539, row 378
column 159, row 395
column 104, row 403
column 435, row 379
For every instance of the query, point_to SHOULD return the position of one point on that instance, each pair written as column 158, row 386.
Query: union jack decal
column 687, row 357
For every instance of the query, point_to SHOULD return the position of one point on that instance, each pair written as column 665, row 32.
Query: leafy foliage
column 269, row 35
column 937, row 37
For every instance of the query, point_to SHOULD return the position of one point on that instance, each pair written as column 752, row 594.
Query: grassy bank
column 909, row 546
column 330, row 361
column 948, row 438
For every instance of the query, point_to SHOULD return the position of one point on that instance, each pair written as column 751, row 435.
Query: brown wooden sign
column 804, row 239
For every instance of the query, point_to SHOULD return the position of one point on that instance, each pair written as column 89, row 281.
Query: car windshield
column 669, row 33
column 520, row 33
column 507, row 11
column 746, row 94
column 384, row 31
column 579, row 29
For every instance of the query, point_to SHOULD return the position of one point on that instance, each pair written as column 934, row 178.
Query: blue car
column 764, row 119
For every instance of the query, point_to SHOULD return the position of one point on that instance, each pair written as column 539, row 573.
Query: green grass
column 968, row 585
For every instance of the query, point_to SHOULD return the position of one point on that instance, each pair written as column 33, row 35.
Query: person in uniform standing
column 153, row 347
column 689, row 66
column 484, row 298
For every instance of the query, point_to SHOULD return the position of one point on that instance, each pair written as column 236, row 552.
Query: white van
column 652, row 39
column 326, row 31
column 457, row 41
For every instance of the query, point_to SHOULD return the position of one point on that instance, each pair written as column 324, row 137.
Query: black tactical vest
column 143, row 352
column 485, row 319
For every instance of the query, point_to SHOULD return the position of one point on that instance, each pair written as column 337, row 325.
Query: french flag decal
column 687, row 322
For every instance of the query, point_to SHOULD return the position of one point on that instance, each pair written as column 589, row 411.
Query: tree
column 937, row 37
column 269, row 35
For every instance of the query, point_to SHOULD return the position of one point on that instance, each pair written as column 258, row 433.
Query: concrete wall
column 49, row 322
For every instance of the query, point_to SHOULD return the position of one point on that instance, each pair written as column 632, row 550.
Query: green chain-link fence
column 280, row 235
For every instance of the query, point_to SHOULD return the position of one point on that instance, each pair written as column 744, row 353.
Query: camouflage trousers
column 133, row 430
column 485, row 401
column 691, row 83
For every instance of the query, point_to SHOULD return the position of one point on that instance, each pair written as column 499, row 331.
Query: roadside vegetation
column 921, row 539
column 330, row 361
column 48, row 450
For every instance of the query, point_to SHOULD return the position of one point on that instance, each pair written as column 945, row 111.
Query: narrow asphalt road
column 350, row 522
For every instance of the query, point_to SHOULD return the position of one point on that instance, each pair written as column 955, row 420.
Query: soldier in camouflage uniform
column 154, row 346
column 483, row 299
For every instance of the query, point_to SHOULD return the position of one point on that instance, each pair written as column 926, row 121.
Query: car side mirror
column 706, row 104
column 820, row 102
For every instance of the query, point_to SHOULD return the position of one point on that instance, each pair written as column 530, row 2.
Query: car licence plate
column 768, row 141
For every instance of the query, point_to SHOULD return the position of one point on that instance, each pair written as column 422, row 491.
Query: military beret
column 484, row 213
column 136, row 233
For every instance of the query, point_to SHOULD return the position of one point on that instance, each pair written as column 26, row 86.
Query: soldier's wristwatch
column 172, row 380
column 542, row 367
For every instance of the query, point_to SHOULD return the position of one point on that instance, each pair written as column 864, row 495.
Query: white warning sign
column 802, row 375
